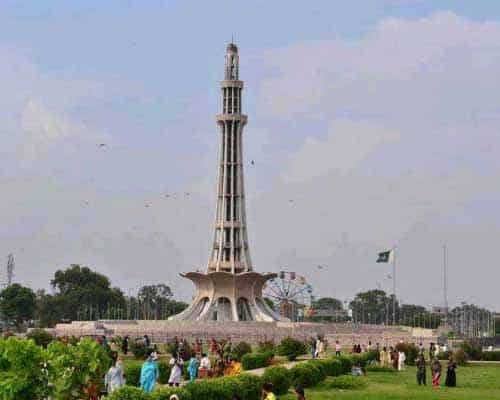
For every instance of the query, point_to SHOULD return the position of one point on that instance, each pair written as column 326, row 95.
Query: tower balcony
column 231, row 83
column 221, row 118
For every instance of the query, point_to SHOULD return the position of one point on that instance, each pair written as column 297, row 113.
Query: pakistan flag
column 384, row 257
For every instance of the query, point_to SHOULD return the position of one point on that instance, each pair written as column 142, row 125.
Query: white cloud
column 347, row 144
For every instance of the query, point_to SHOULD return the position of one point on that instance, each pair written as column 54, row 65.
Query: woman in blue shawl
column 193, row 368
column 149, row 372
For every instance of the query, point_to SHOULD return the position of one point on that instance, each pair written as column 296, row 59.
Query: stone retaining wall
column 251, row 332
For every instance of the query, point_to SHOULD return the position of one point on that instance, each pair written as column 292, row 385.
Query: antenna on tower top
column 10, row 269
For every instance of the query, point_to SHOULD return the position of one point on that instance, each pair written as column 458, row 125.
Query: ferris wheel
column 292, row 295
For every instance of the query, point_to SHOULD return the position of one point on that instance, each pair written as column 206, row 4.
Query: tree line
column 79, row 293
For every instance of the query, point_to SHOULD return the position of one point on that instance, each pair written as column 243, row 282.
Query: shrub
column 209, row 389
column 267, row 345
column 256, row 360
column 379, row 368
column 346, row 363
column 291, row 348
column 321, row 366
column 138, row 349
column 410, row 350
column 21, row 372
column 491, row 356
column 87, row 362
column 444, row 355
column 240, row 350
column 248, row 386
column 460, row 357
column 41, row 337
column 372, row 356
column 306, row 375
column 128, row 393
column 333, row 367
column 473, row 350
column 348, row 382
column 165, row 393
column 279, row 377
column 132, row 371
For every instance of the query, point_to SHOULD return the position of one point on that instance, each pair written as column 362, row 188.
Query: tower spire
column 230, row 251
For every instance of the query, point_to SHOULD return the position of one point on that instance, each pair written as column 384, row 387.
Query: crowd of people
column 220, row 362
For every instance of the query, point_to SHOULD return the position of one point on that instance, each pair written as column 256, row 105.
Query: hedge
column 240, row 349
column 348, row 382
column 346, row 363
column 379, row 368
column 306, row 375
column 247, row 386
column 291, row 348
column 256, row 360
column 279, row 377
column 491, row 356
column 333, row 367
column 321, row 366
column 128, row 393
column 165, row 393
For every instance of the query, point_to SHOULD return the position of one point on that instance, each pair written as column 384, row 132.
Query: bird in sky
column 102, row 144
column 252, row 162
column 187, row 193
column 320, row 267
column 146, row 205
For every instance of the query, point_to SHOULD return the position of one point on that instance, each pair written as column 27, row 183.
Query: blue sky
column 379, row 118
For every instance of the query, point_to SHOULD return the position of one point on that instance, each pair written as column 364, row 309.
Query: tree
column 155, row 302
column 328, row 303
column 85, row 294
column 373, row 306
column 18, row 304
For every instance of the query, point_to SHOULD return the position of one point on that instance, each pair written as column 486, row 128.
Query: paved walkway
column 260, row 371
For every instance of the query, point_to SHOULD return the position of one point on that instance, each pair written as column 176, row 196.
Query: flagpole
column 394, row 285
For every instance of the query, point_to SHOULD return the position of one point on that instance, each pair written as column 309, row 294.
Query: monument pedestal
column 223, row 296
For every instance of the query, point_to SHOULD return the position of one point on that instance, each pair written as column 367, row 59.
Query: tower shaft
column 230, row 252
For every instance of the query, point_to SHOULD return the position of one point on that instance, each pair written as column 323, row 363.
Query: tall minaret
column 230, row 252
column 230, row 290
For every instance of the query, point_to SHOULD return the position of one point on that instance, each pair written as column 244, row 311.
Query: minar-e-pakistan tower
column 230, row 290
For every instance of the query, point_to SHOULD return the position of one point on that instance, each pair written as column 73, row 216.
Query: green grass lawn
column 481, row 382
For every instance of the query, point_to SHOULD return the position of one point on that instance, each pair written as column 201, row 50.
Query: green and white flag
column 385, row 256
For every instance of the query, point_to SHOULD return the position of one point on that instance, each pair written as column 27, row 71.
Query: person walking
column 193, row 368
column 175, row 371
column 338, row 348
column 451, row 374
column 421, row 370
column 149, row 372
column 312, row 348
column 436, row 371
column 401, row 360
column 125, row 345
column 114, row 378
column 320, row 347
column 383, row 357
column 394, row 358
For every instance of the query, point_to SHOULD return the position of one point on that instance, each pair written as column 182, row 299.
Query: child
column 436, row 371
column 300, row 393
column 267, row 392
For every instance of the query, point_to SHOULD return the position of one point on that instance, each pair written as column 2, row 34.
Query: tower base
column 223, row 296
